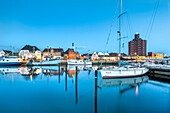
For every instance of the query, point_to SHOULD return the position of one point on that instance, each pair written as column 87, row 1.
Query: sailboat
column 122, row 71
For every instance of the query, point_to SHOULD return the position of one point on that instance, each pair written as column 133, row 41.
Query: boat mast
column 48, row 50
column 120, row 33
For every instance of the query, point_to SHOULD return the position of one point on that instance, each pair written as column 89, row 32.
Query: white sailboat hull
column 123, row 73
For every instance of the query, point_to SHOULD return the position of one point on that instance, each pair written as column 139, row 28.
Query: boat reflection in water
column 9, row 70
column 123, row 81
column 123, row 84
column 129, row 83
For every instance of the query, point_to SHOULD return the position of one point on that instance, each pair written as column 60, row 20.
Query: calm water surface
column 60, row 89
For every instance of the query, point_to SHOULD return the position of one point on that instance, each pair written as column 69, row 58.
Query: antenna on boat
column 12, row 49
column 48, row 50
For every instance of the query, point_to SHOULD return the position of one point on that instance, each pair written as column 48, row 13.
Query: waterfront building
column 159, row 55
column 111, row 58
column 151, row 54
column 28, row 52
column 5, row 52
column 137, row 47
column 56, row 53
column 71, row 54
column 87, row 55
column 94, row 56
column 155, row 55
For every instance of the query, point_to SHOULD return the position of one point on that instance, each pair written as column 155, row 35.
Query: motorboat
column 152, row 65
column 79, row 62
column 51, row 62
column 79, row 67
column 10, row 61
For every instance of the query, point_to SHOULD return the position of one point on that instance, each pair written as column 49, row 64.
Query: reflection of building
column 30, row 52
column 72, row 70
column 71, row 73
column 25, row 71
column 137, row 46
column 54, row 52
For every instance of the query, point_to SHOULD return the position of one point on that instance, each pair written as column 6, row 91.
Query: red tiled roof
column 54, row 50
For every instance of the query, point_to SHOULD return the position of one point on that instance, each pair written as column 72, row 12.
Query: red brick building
column 70, row 54
column 137, row 46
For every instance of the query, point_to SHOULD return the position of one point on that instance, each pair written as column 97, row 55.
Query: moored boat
column 51, row 62
column 79, row 62
column 10, row 61
column 123, row 72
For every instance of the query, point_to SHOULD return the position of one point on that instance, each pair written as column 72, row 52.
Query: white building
column 5, row 52
column 28, row 52
column 94, row 56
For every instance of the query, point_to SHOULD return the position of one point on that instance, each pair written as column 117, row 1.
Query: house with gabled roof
column 56, row 53
column 28, row 52
column 5, row 52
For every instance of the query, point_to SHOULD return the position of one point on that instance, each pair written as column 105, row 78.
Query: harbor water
column 62, row 89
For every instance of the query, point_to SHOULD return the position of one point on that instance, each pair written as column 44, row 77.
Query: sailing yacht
column 122, row 71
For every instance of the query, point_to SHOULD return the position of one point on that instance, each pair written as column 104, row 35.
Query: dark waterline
column 53, row 89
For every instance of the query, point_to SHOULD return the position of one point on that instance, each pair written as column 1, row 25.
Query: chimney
column 137, row 35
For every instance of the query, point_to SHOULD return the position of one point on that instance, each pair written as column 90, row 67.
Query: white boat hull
column 78, row 62
column 45, row 63
column 123, row 73
column 10, row 61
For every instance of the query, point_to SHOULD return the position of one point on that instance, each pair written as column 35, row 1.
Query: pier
column 160, row 74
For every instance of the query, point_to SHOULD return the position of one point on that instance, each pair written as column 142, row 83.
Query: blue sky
column 58, row 23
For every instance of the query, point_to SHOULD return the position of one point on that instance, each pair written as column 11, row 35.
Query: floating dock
column 159, row 74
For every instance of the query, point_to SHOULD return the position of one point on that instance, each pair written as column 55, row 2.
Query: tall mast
column 120, row 33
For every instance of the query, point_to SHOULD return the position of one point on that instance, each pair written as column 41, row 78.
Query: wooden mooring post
column 66, row 77
column 76, row 85
column 96, row 91
column 59, row 72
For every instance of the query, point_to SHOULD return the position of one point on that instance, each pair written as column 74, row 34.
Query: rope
column 148, row 32
column 110, row 30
